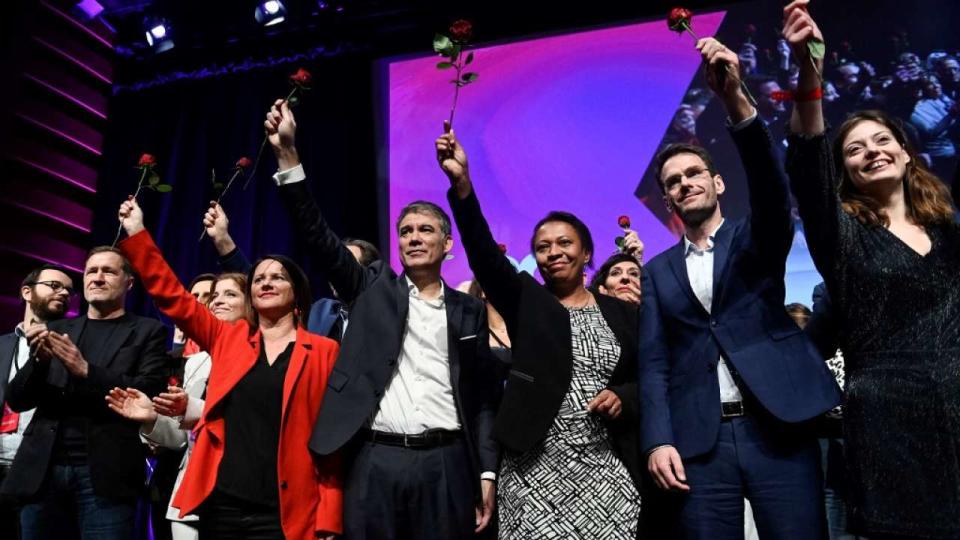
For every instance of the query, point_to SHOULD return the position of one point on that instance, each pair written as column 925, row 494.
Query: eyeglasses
column 56, row 287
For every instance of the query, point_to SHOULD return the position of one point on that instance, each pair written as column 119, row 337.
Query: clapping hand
column 131, row 404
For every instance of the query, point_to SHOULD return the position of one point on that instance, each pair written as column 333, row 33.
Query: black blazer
column 136, row 357
column 542, row 353
column 379, row 301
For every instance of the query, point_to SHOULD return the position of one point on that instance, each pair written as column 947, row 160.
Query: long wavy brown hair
column 928, row 199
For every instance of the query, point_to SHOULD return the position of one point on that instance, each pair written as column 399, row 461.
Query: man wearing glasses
column 46, row 295
column 727, row 380
column 80, row 467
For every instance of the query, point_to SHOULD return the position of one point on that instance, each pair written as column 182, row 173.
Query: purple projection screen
column 567, row 122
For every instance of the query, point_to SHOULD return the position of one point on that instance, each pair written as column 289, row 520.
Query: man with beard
column 80, row 467
column 46, row 293
column 725, row 375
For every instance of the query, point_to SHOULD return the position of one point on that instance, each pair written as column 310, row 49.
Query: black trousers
column 229, row 518
column 396, row 493
column 9, row 511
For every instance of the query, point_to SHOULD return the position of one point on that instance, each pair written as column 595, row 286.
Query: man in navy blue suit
column 727, row 379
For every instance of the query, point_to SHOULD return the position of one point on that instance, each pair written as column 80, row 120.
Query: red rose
column 502, row 248
column 750, row 29
column 461, row 30
column 302, row 77
column 679, row 19
column 173, row 380
column 147, row 160
column 243, row 163
column 623, row 222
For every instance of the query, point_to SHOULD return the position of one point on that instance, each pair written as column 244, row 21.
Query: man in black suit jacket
column 80, row 467
column 413, row 386
column 46, row 295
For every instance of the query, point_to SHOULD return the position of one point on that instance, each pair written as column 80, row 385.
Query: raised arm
column 217, row 225
column 346, row 275
column 160, row 281
column 491, row 268
column 771, row 226
column 799, row 29
column 813, row 176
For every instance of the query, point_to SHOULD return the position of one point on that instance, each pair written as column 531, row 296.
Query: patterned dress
column 572, row 485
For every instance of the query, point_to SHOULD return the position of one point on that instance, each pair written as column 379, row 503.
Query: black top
column 252, row 412
column 542, row 351
column 71, row 445
column 899, row 318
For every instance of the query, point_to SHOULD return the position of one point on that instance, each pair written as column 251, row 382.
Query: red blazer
column 311, row 496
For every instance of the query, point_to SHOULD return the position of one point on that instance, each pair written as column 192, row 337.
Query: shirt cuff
column 488, row 475
column 657, row 447
column 290, row 176
column 733, row 127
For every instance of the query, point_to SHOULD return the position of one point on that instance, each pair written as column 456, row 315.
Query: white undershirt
column 700, row 271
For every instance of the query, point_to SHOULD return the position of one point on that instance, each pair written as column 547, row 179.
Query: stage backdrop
column 566, row 122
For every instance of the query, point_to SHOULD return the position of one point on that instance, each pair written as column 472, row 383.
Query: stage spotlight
column 157, row 31
column 270, row 12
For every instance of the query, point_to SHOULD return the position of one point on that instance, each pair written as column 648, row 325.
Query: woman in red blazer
column 251, row 474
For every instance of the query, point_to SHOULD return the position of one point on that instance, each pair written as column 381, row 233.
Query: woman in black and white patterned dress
column 567, row 421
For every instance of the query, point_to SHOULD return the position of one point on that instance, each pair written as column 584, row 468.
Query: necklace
column 582, row 304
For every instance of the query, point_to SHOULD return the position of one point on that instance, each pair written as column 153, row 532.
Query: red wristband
column 813, row 95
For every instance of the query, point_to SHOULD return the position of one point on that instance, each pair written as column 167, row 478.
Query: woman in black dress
column 881, row 232
column 567, row 421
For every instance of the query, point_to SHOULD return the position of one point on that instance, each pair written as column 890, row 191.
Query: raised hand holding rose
column 681, row 20
column 804, row 37
column 300, row 80
column 452, row 159
column 131, row 216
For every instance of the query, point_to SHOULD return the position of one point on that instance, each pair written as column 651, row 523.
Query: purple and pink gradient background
column 559, row 123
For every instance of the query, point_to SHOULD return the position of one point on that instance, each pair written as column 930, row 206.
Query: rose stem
column 236, row 173
column 253, row 170
column 143, row 176
column 456, row 91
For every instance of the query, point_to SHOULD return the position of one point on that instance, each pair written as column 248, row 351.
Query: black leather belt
column 731, row 409
column 428, row 439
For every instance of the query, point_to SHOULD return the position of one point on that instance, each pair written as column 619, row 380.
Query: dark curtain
column 193, row 126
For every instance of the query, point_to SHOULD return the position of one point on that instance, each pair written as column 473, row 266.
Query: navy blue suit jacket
column 680, row 342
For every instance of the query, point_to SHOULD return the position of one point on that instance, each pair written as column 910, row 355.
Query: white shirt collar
column 689, row 247
column 415, row 292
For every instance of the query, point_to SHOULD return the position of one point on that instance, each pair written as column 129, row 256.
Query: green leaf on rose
column 469, row 59
column 444, row 65
column 619, row 241
column 442, row 44
column 163, row 188
column 455, row 52
column 293, row 101
column 817, row 49
column 153, row 178
column 470, row 76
